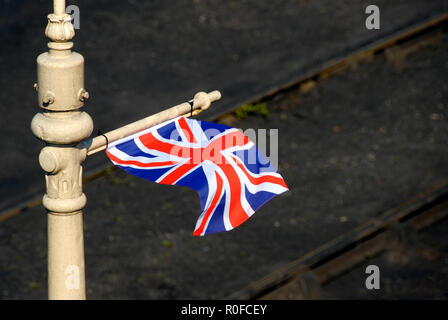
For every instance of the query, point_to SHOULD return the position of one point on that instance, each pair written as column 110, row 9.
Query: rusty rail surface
column 335, row 257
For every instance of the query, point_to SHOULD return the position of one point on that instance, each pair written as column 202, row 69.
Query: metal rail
column 366, row 52
column 348, row 250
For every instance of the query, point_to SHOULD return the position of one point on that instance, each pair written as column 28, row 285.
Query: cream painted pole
column 62, row 126
column 59, row 7
column 200, row 102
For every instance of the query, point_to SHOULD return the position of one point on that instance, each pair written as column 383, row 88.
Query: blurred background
column 362, row 120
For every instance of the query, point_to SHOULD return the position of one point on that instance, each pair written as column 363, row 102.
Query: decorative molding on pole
column 62, row 126
column 59, row 28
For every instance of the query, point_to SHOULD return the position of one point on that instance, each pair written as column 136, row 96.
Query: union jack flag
column 232, row 177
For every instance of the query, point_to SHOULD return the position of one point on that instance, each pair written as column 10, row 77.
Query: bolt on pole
column 62, row 125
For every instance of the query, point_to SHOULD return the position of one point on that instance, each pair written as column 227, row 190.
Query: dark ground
column 144, row 56
column 414, row 270
column 350, row 147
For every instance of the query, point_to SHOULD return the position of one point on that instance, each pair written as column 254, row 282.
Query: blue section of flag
column 129, row 147
column 216, row 223
column 169, row 132
column 197, row 181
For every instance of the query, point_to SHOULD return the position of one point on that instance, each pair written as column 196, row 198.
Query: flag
column 232, row 177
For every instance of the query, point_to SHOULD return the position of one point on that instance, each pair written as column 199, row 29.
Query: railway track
column 306, row 277
column 322, row 71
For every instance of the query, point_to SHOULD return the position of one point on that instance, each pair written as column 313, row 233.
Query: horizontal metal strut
column 200, row 102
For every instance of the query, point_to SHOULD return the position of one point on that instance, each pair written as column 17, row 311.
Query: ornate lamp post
column 65, row 129
column 62, row 125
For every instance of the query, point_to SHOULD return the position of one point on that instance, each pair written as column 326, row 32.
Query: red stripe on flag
column 187, row 131
column 138, row 163
column 172, row 177
column 228, row 140
column 262, row 179
column 212, row 207
column 153, row 143
column 237, row 214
